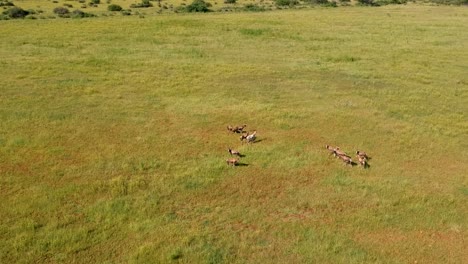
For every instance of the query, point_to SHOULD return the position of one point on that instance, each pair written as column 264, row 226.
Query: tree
column 17, row 12
column 198, row 6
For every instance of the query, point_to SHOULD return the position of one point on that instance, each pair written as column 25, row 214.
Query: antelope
column 236, row 129
column 234, row 152
column 346, row 159
column 232, row 161
column 251, row 138
column 239, row 129
column 244, row 135
column 362, row 160
column 332, row 150
column 362, row 154
column 339, row 153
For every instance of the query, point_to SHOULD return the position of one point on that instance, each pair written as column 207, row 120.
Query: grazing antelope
column 332, row 150
column 362, row 154
column 232, row 161
column 236, row 129
column 346, row 159
column 234, row 152
column 362, row 160
column 339, row 153
column 244, row 135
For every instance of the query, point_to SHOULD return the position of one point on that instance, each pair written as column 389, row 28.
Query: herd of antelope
column 362, row 157
column 245, row 137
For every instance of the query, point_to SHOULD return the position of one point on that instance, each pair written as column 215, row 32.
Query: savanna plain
column 113, row 137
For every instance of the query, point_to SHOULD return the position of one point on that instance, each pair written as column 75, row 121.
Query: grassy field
column 113, row 139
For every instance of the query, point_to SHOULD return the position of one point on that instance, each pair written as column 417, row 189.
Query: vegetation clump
column 80, row 14
column 286, row 2
column 6, row 3
column 254, row 8
column 61, row 11
column 322, row 3
column 143, row 4
column 127, row 12
column 16, row 12
column 199, row 6
column 114, row 7
column 368, row 3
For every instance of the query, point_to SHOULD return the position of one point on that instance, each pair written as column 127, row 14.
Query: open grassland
column 113, row 139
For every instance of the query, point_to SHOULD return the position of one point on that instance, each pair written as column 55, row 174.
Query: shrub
column 61, row 11
column 199, row 6
column 368, row 2
column 96, row 2
column 16, row 12
column 253, row 8
column 80, row 14
column 180, row 9
column 286, row 2
column 143, row 4
column 230, row 1
column 126, row 12
column 317, row 2
column 391, row 2
column 6, row 4
column 114, row 7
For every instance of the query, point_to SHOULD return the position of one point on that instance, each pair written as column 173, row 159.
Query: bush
column 230, row 1
column 450, row 2
column 317, row 2
column 143, row 4
column 368, row 2
column 286, row 2
column 199, row 6
column 114, row 7
column 391, row 2
column 253, row 8
column 126, row 12
column 16, row 12
column 61, row 11
column 95, row 2
column 80, row 14
column 6, row 4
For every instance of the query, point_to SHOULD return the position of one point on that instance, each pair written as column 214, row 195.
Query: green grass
column 113, row 139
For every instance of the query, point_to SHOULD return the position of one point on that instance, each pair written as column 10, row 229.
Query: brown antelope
column 346, row 159
column 244, row 136
column 362, row 154
column 234, row 152
column 362, row 160
column 332, row 150
column 232, row 161
column 339, row 153
column 236, row 129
